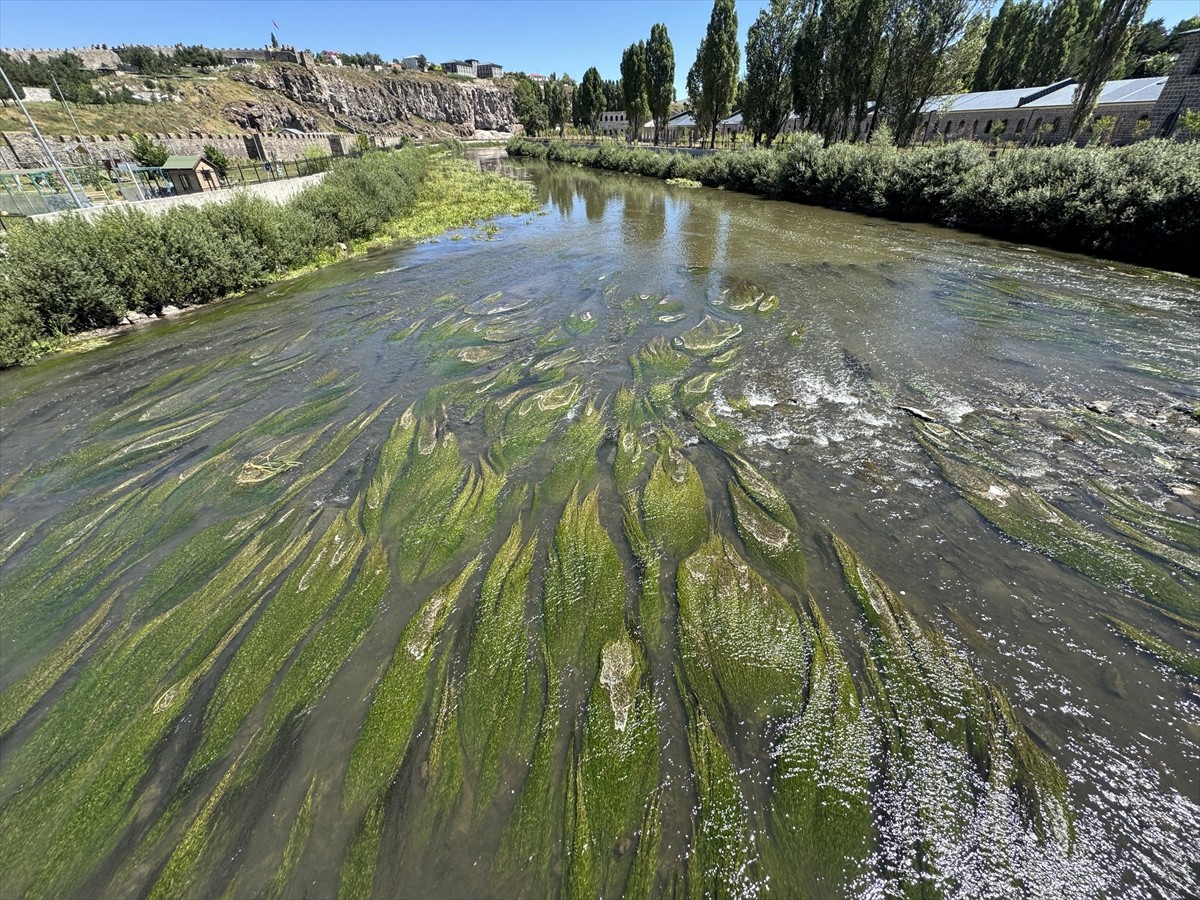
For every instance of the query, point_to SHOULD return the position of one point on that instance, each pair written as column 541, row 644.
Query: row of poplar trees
column 840, row 62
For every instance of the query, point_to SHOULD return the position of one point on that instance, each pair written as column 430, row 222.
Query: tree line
column 845, row 67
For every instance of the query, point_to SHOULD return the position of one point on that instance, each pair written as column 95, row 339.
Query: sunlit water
column 1070, row 375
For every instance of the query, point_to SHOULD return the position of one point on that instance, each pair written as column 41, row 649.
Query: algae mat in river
column 500, row 591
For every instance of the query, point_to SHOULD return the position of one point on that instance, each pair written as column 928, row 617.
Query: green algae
column 180, row 870
column 723, row 359
column 529, row 421
column 309, row 676
column 297, row 841
column 383, row 743
column 1181, row 661
column 137, row 675
column 767, row 540
column 24, row 694
column 575, row 454
column 289, row 615
column 583, row 602
column 393, row 456
column 629, row 461
column 721, row 860
column 708, row 337
column 715, row 429
column 673, row 503
column 584, row 597
column 744, row 654
column 357, row 878
column 657, row 359
column 952, row 744
column 500, row 701
column 614, row 770
column 763, row 492
column 821, row 815
column 579, row 324
column 1025, row 516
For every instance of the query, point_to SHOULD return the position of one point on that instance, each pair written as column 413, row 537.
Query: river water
column 306, row 593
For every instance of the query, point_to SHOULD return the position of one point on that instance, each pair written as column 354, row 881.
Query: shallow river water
column 667, row 541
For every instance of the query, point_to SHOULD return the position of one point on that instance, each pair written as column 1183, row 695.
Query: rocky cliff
column 390, row 103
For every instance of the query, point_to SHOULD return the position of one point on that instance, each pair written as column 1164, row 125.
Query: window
column 1057, row 122
column 947, row 131
column 1021, row 126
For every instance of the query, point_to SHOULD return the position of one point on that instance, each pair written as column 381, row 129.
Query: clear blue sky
column 531, row 35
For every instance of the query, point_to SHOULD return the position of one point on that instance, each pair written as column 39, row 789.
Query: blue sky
column 531, row 35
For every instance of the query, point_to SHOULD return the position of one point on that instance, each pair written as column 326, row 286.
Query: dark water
column 1066, row 377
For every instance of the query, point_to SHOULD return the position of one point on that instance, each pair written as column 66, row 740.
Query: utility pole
column 41, row 140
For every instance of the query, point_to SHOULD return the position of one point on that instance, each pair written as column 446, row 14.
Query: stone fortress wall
column 20, row 150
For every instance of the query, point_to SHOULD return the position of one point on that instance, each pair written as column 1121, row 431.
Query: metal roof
column 1129, row 90
column 181, row 162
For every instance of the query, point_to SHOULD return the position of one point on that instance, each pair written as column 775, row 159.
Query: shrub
column 1136, row 203
column 72, row 273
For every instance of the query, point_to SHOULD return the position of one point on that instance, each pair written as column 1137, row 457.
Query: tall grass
column 1139, row 203
column 73, row 274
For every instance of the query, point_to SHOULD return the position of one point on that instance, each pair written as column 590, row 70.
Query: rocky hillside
column 389, row 103
column 270, row 97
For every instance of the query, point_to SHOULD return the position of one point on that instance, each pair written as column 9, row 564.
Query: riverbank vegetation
column 1134, row 203
column 61, row 277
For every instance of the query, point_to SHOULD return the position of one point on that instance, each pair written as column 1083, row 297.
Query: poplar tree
column 1110, row 40
column 660, row 76
column 1050, row 56
column 635, row 87
column 592, row 101
column 769, row 48
column 716, row 67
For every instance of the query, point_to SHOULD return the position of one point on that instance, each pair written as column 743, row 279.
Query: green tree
column 1089, row 15
column 1188, row 124
column 1176, row 40
column 920, row 33
column 716, row 69
column 1051, row 56
column 7, row 64
column 274, row 41
column 1149, row 39
column 635, row 85
column 592, row 102
column 1109, row 43
column 660, row 76
column 769, row 49
column 558, row 105
column 530, row 108
column 148, row 152
column 218, row 159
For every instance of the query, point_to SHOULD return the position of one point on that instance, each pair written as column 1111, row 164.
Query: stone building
column 1182, row 90
column 1141, row 107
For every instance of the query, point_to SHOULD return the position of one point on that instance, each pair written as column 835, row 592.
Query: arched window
column 975, row 128
column 947, row 131
column 1021, row 126
column 1057, row 122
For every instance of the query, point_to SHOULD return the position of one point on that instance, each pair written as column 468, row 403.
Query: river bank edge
column 451, row 194
column 1138, row 204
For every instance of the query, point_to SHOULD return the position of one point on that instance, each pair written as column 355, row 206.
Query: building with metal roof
column 1140, row 107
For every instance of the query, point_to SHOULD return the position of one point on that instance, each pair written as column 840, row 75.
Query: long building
column 1141, row 107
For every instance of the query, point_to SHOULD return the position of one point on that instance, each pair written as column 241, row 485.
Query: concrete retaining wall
column 275, row 191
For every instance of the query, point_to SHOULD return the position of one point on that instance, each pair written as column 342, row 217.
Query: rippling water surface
column 666, row 542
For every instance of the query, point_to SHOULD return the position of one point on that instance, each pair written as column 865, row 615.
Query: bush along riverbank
column 62, row 277
column 1139, row 204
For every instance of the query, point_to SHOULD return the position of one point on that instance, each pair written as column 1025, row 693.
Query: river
column 665, row 541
